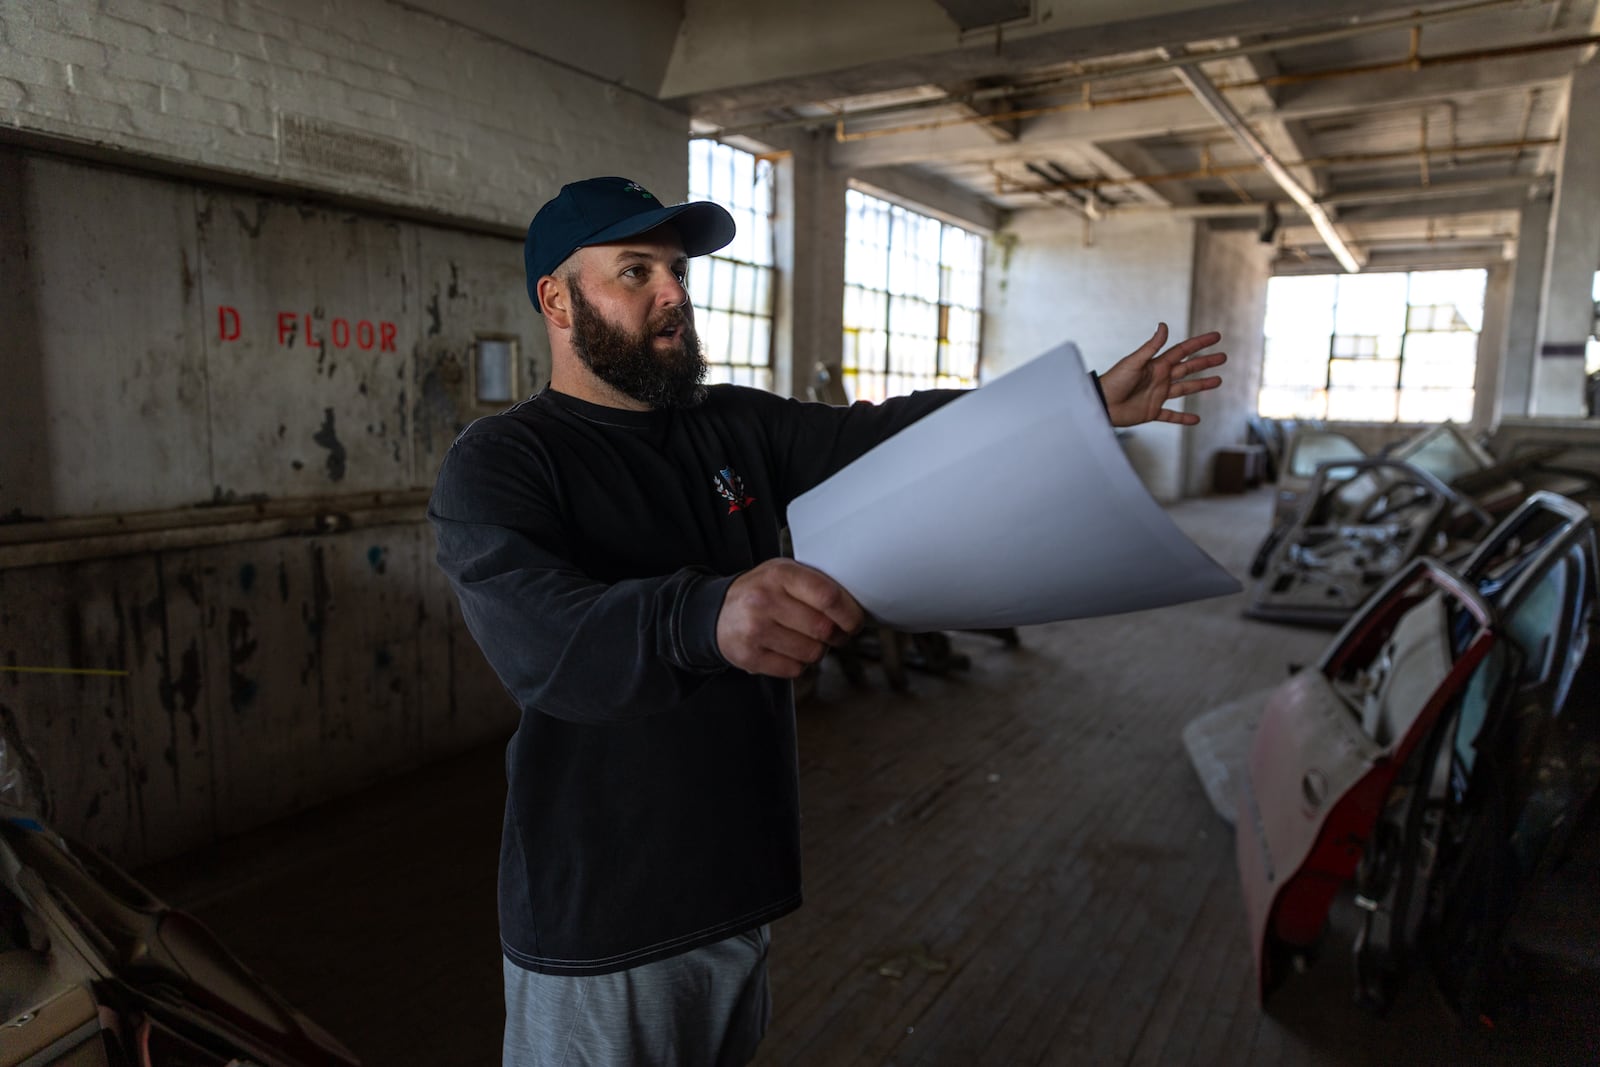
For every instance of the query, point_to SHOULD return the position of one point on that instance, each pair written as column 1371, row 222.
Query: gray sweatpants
column 707, row 1006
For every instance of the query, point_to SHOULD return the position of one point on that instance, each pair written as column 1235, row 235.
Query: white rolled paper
column 1010, row 506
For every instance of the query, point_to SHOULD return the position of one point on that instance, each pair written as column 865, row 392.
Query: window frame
column 1340, row 353
column 892, row 377
column 760, row 279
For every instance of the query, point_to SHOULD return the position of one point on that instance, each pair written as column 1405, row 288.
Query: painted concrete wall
column 1492, row 339
column 1522, row 320
column 1566, row 312
column 1048, row 279
column 1231, row 268
column 358, row 97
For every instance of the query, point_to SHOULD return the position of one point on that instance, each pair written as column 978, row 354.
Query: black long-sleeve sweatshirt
column 653, row 790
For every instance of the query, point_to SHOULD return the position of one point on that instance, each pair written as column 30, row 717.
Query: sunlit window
column 732, row 290
column 1372, row 347
column 1592, row 352
column 913, row 299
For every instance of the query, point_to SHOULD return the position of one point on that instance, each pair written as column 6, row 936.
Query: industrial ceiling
column 1392, row 138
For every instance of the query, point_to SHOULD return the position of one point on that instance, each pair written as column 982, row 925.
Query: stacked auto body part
column 1441, row 761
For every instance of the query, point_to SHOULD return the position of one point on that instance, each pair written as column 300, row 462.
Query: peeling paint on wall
column 328, row 438
column 242, row 689
column 252, row 227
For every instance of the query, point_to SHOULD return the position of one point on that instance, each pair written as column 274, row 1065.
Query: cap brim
column 702, row 226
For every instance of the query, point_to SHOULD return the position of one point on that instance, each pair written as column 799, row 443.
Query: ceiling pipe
column 1294, row 40
column 1212, row 100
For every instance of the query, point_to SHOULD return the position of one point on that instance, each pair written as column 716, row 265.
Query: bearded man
column 614, row 542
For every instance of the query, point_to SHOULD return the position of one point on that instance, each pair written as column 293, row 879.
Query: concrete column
column 1573, row 255
column 1522, row 324
column 1491, row 347
column 810, row 259
column 1228, row 293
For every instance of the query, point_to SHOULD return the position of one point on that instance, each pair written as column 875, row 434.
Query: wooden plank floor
column 1012, row 865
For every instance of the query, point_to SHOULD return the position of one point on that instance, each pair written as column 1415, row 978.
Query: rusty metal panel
column 464, row 703
column 469, row 285
column 127, row 757
column 308, row 346
column 104, row 403
column 311, row 652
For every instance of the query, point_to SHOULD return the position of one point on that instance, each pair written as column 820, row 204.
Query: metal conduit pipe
column 1212, row 100
column 1359, row 29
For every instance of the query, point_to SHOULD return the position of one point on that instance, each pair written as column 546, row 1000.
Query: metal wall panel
column 263, row 675
column 127, row 758
column 309, row 354
column 463, row 702
column 104, row 407
column 312, row 643
column 25, row 481
column 470, row 285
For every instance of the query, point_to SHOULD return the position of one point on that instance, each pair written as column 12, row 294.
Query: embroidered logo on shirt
column 730, row 487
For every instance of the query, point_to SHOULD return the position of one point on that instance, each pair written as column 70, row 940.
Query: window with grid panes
column 732, row 289
column 1592, row 346
column 1372, row 347
column 912, row 301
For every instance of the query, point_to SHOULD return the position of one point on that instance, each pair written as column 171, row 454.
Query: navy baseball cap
column 597, row 210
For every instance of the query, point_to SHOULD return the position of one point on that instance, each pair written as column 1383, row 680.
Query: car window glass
column 1533, row 625
column 1311, row 449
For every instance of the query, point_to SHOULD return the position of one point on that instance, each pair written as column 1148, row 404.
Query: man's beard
column 630, row 363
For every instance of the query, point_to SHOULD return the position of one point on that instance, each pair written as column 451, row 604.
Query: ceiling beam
column 1465, row 257
column 1440, row 200
column 1134, row 159
column 1113, row 167
column 1209, row 95
column 1435, row 207
column 1524, row 187
column 1002, row 130
column 1331, row 96
column 934, row 195
column 1037, row 139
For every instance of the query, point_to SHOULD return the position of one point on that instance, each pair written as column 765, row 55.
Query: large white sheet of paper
column 1012, row 505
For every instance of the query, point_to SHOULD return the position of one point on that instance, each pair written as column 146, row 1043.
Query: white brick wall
column 494, row 130
column 1051, row 286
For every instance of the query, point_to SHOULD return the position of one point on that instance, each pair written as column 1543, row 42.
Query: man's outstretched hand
column 781, row 616
column 1140, row 384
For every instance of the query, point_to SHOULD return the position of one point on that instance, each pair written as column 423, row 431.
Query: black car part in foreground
column 96, row 972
